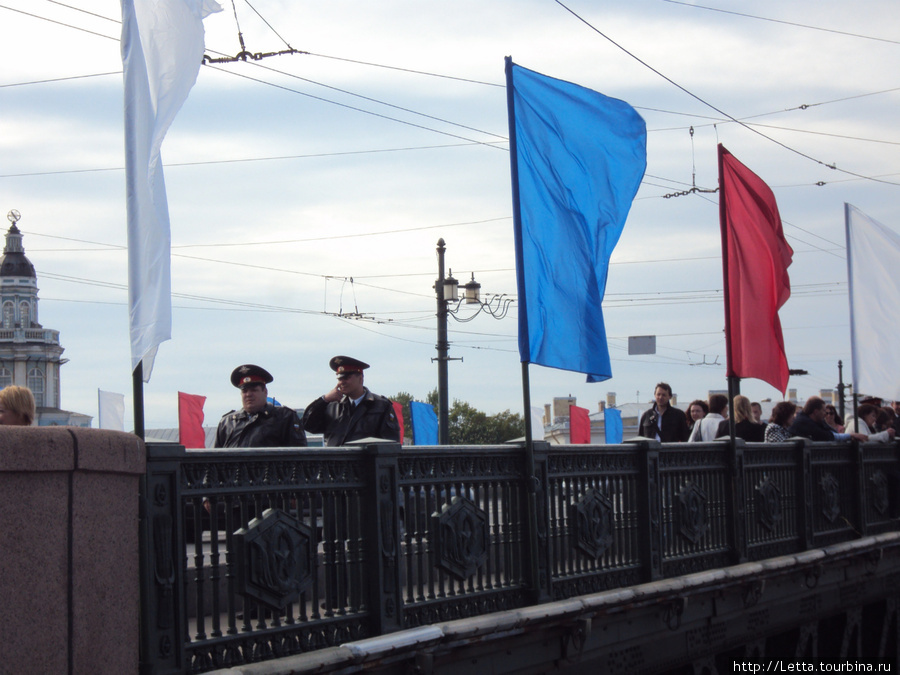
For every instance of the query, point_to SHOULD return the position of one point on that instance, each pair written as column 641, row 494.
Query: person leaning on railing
column 810, row 423
column 706, row 429
column 17, row 406
column 834, row 420
column 780, row 421
column 745, row 425
column 864, row 423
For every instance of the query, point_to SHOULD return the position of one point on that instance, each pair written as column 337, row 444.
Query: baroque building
column 30, row 355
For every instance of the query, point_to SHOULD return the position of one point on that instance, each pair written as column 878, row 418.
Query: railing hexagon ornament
column 831, row 497
column 880, row 497
column 592, row 518
column 692, row 521
column 461, row 542
column 768, row 504
column 276, row 558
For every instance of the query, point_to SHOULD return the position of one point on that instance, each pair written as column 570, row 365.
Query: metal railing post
column 161, row 555
column 381, row 522
column 541, row 586
column 805, row 491
column 738, row 502
column 650, row 516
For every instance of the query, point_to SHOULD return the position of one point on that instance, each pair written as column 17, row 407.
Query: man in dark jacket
column 258, row 424
column 662, row 421
column 350, row 412
column 810, row 423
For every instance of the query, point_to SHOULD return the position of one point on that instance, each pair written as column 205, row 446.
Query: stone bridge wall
column 69, row 579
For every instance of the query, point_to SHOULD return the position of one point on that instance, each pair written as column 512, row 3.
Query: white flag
column 112, row 410
column 162, row 48
column 537, row 423
column 873, row 272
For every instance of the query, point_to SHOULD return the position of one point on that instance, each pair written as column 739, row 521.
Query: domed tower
column 29, row 353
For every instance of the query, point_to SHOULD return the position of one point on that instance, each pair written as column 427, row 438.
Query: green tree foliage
column 468, row 425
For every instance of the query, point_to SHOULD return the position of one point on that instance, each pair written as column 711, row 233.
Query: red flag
column 398, row 410
column 190, row 420
column 579, row 425
column 755, row 261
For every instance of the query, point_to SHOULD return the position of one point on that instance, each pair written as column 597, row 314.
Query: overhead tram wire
column 357, row 109
column 787, row 23
column 379, row 102
column 61, row 79
column 726, row 120
column 83, row 11
column 61, row 23
column 833, row 167
column 408, row 70
column 243, row 159
column 319, row 98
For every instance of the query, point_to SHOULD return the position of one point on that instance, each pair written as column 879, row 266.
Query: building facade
column 30, row 355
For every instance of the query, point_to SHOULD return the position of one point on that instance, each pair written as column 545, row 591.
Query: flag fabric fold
column 190, row 420
column 398, row 411
column 873, row 259
column 111, row 409
column 756, row 257
column 577, row 160
column 579, row 425
column 424, row 423
column 162, row 48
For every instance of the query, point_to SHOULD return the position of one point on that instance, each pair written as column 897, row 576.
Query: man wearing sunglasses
column 350, row 412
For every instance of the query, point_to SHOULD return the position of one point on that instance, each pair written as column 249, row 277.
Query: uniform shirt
column 271, row 427
column 340, row 422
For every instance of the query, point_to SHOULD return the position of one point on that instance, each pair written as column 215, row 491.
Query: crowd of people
column 817, row 420
column 350, row 412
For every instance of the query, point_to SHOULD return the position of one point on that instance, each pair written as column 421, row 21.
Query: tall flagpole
column 531, row 481
column 734, row 382
column 137, row 384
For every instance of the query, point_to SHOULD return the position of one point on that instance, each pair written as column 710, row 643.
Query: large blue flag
column 424, row 423
column 578, row 158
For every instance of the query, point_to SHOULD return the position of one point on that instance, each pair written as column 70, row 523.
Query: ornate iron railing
column 255, row 554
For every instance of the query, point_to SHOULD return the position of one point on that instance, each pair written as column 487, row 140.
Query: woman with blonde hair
column 745, row 426
column 16, row 406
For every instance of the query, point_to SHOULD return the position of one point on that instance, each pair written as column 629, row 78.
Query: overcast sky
column 306, row 187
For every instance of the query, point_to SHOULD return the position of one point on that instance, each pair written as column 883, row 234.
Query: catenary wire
column 710, row 105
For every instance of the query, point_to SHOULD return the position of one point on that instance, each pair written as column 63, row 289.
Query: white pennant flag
column 162, row 48
column 537, row 423
column 873, row 261
column 112, row 410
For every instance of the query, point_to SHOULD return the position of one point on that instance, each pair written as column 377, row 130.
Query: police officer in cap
column 350, row 412
column 258, row 424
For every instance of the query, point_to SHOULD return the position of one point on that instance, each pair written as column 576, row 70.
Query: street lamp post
column 446, row 291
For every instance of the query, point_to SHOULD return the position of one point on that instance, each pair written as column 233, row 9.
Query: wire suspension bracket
column 245, row 54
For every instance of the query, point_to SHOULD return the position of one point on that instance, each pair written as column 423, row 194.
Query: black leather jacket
column 271, row 427
column 341, row 423
column 674, row 425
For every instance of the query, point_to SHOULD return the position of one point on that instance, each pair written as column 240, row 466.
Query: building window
column 8, row 314
column 5, row 377
column 36, row 384
column 25, row 314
